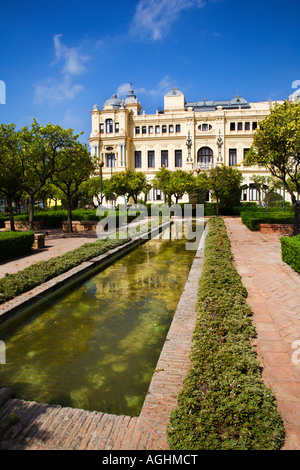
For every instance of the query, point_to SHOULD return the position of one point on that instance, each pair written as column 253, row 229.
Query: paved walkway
column 274, row 296
column 56, row 243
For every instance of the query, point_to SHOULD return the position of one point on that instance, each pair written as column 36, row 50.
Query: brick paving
column 274, row 296
column 56, row 243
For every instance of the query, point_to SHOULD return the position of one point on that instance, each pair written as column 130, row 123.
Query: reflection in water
column 96, row 347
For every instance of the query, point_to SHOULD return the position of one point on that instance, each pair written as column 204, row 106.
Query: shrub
column 14, row 244
column 15, row 284
column 290, row 251
column 224, row 403
column 253, row 218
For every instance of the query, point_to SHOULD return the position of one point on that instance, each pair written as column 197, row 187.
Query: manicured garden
column 14, row 244
column 15, row 284
column 224, row 403
column 253, row 217
column 290, row 250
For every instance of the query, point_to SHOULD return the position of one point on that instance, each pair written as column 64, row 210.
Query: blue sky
column 59, row 58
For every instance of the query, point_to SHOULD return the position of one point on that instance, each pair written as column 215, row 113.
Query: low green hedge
column 54, row 219
column 224, row 403
column 15, row 284
column 253, row 218
column 290, row 251
column 14, row 244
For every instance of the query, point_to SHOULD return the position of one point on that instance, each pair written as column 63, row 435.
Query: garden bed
column 224, row 403
column 290, row 250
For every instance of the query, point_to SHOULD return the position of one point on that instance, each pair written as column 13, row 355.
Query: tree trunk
column 217, row 206
column 31, row 211
column 296, row 229
column 11, row 214
column 70, row 229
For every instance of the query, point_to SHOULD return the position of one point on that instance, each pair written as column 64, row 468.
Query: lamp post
column 101, row 164
column 197, row 171
column 189, row 144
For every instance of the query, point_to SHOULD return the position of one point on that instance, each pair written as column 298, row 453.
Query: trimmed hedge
column 15, row 284
column 54, row 219
column 290, row 251
column 253, row 218
column 224, row 403
column 14, row 244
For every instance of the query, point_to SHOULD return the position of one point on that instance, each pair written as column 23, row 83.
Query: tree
column 74, row 166
column 9, row 187
column 128, row 183
column 181, row 182
column 276, row 145
column 36, row 152
column 266, row 186
column 221, row 181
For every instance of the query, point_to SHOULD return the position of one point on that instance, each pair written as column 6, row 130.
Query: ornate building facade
column 183, row 135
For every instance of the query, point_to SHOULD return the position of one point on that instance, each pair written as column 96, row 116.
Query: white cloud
column 73, row 60
column 123, row 90
column 154, row 17
column 55, row 90
column 52, row 90
column 164, row 85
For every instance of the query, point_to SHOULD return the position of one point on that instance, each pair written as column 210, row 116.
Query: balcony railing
column 203, row 166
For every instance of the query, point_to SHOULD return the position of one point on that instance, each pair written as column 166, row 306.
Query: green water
column 97, row 346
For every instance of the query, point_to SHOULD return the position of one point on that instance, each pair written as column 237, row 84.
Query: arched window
column 205, row 155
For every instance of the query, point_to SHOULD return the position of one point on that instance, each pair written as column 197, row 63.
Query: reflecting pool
column 96, row 347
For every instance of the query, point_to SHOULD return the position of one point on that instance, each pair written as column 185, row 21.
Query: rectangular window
column 244, row 195
column 164, row 129
column 254, row 126
column 247, row 126
column 164, row 158
column 138, row 159
column 150, row 129
column 157, row 195
column 171, row 128
column 244, row 157
column 151, row 159
column 109, row 126
column 240, row 126
column 116, row 127
column 111, row 160
column 137, row 130
column 232, row 126
column 253, row 193
column 178, row 158
column 157, row 129
column 102, row 128
column 144, row 130
column 232, row 157
column 149, row 195
column 177, row 127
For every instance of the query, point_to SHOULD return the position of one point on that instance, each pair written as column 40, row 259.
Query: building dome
column 130, row 98
column 113, row 101
column 174, row 92
column 238, row 100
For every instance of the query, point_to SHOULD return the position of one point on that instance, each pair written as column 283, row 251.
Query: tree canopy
column 276, row 145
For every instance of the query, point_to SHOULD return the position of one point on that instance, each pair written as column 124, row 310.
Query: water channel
column 96, row 347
